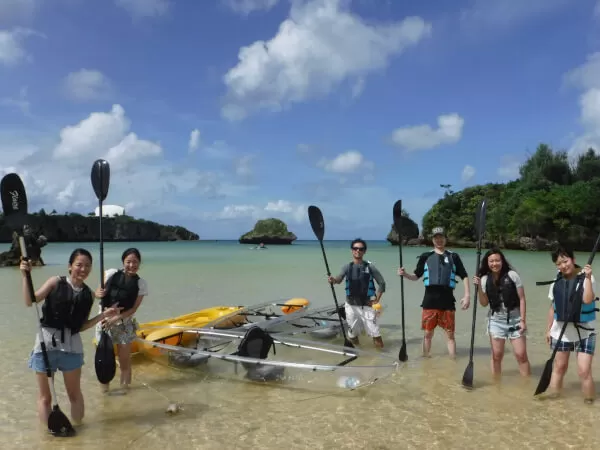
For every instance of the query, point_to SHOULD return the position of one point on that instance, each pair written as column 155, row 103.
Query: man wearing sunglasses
column 361, row 295
column 439, row 268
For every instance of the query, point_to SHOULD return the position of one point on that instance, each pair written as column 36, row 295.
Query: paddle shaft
column 34, row 300
column 475, row 303
column 332, row 288
column 401, row 285
column 101, row 237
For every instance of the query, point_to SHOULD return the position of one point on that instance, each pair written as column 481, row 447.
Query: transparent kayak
column 257, row 356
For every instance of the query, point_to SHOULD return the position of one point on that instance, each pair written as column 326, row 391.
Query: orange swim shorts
column 431, row 318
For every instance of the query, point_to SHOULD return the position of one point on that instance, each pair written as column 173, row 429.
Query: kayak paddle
column 104, row 359
column 318, row 226
column 14, row 205
column 467, row 379
column 402, row 355
column 547, row 373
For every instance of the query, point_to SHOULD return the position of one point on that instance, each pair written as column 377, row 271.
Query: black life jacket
column 63, row 308
column 122, row 289
column 359, row 282
column 503, row 293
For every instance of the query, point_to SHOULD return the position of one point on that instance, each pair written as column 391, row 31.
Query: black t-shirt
column 440, row 297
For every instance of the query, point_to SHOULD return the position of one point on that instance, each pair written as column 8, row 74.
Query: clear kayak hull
column 257, row 356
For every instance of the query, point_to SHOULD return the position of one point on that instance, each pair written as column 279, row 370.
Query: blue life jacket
column 568, row 301
column 440, row 273
column 359, row 282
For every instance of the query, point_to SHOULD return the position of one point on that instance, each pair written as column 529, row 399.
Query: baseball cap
column 438, row 230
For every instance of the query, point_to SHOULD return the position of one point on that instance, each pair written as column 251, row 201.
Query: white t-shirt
column 571, row 333
column 514, row 276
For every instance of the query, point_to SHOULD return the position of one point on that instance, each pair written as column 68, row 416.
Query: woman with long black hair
column 501, row 288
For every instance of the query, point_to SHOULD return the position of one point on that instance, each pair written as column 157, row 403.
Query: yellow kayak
column 150, row 330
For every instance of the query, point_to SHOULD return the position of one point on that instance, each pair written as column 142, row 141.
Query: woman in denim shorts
column 501, row 288
column 64, row 345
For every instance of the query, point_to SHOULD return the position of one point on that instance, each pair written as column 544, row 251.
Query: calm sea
column 423, row 406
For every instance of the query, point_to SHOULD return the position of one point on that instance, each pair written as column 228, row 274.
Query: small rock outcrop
column 270, row 232
column 410, row 230
column 33, row 243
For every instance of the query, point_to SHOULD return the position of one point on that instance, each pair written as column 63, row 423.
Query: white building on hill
column 110, row 210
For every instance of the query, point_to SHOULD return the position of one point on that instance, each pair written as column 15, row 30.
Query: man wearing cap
column 439, row 268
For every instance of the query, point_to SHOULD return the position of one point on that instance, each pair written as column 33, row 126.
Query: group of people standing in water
column 68, row 302
column 572, row 296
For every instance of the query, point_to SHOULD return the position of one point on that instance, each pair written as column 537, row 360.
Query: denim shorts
column 63, row 361
column 587, row 345
column 498, row 328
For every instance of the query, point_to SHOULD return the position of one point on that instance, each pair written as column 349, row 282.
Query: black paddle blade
column 545, row 378
column 398, row 216
column 58, row 423
column 105, row 363
column 467, row 380
column 14, row 200
column 101, row 178
column 402, row 355
column 316, row 221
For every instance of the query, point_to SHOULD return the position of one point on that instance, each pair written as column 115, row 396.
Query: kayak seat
column 257, row 344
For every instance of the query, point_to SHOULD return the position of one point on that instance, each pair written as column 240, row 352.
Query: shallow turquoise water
column 423, row 406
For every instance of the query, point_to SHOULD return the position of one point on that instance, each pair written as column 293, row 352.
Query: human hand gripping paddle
column 402, row 355
column 318, row 226
column 547, row 373
column 104, row 360
column 14, row 205
column 467, row 380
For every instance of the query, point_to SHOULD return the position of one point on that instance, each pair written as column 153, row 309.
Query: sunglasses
column 360, row 249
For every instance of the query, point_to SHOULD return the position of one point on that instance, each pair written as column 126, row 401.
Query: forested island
column 268, row 231
column 555, row 199
column 74, row 227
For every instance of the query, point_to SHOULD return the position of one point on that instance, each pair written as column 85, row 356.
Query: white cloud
column 421, row 137
column 587, row 78
column 21, row 102
column 283, row 209
column 319, row 46
column 194, row 140
column 468, row 173
column 144, row 8
column 12, row 50
column 243, row 166
column 348, row 162
column 246, row 7
column 88, row 85
column 509, row 169
column 104, row 135
column 56, row 176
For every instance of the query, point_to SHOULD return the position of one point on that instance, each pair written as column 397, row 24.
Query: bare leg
column 451, row 343
column 428, row 336
column 584, row 369
column 561, row 364
column 44, row 397
column 73, row 387
column 520, row 350
column 497, row 356
column 124, row 352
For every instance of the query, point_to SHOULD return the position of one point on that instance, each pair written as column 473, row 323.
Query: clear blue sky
column 213, row 114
